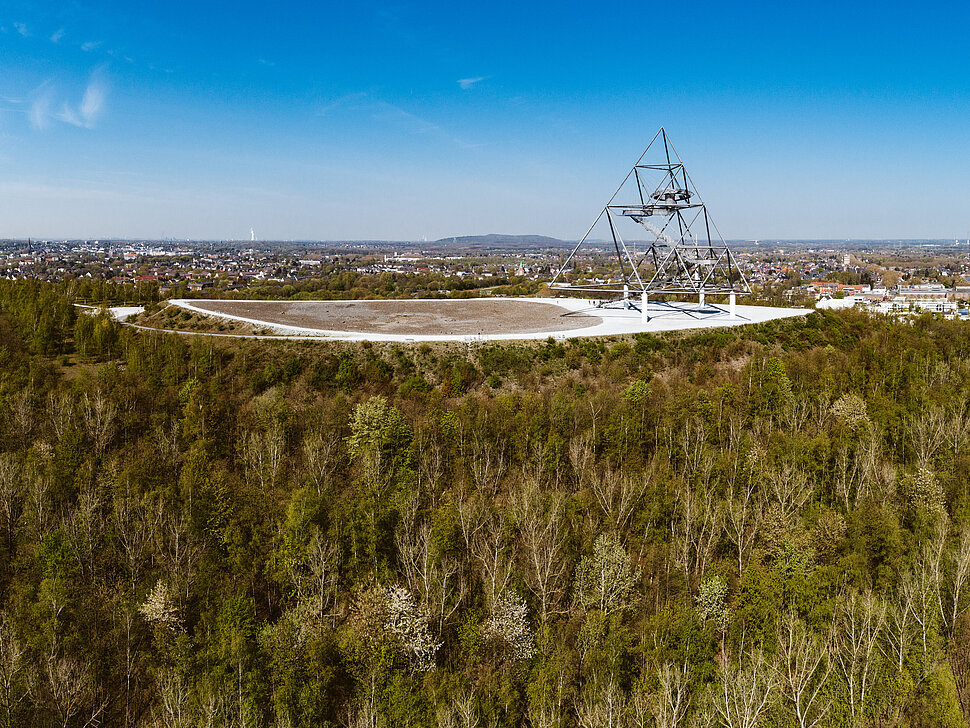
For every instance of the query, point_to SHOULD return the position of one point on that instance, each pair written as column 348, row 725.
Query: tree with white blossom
column 509, row 626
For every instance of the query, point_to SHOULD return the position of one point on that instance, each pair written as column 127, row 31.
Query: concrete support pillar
column 701, row 298
column 626, row 296
column 732, row 308
column 643, row 308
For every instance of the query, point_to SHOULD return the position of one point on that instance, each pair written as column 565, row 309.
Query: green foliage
column 606, row 578
column 377, row 427
column 712, row 601
column 637, row 392
column 233, row 532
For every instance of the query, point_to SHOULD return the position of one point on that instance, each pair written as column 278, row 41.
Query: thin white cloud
column 387, row 112
column 467, row 83
column 84, row 115
column 94, row 97
column 379, row 110
column 40, row 109
column 57, row 35
column 22, row 29
column 69, row 116
column 90, row 45
column 351, row 100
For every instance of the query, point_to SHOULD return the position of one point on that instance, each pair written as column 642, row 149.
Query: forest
column 758, row 526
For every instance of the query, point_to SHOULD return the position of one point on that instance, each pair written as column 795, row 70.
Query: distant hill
column 496, row 239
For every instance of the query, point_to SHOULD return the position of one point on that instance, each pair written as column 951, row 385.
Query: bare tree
column 323, row 560
column 434, row 580
column 581, row 457
column 262, row 452
column 958, row 561
column 605, row 707
column 72, row 692
column 490, row 549
column 697, row 530
column 364, row 713
column 464, row 705
column 125, row 617
column 432, row 465
column 790, row 488
column 136, row 522
column 618, row 495
column 21, row 405
column 693, row 444
column 958, row 423
column 666, row 707
column 85, row 528
column 860, row 621
column 446, row 716
column 472, row 516
column 548, row 704
column 486, row 463
column 60, row 409
column 928, row 432
column 38, row 504
column 173, row 709
column 319, row 457
column 867, row 460
column 745, row 689
column 543, row 537
column 899, row 625
column 744, row 509
column 14, row 686
column 805, row 668
column 99, row 415
column 413, row 540
column 10, row 499
column 849, row 483
column 797, row 414
column 166, row 437
column 921, row 586
column 959, row 659
column 179, row 551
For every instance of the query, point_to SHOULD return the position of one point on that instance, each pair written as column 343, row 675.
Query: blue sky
column 402, row 121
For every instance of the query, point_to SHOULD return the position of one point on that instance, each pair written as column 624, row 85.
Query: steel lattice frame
column 677, row 259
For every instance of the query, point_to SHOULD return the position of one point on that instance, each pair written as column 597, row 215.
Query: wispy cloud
column 84, row 115
column 40, row 108
column 22, row 29
column 95, row 96
column 90, row 45
column 467, row 83
column 414, row 124
column 363, row 104
column 57, row 35
column 69, row 115
column 380, row 110
column 347, row 101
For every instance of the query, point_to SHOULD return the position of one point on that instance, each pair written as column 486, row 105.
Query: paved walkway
column 615, row 320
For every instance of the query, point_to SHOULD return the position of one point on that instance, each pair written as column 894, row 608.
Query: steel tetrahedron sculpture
column 683, row 251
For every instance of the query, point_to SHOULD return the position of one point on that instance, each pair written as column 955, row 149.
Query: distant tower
column 252, row 235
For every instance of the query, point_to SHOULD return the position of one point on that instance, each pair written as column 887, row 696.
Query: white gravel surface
column 601, row 322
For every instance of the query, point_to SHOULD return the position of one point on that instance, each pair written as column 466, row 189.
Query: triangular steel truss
column 680, row 256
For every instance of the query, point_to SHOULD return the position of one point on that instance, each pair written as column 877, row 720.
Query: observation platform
column 473, row 320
